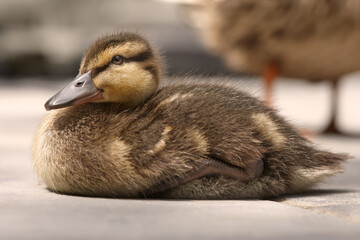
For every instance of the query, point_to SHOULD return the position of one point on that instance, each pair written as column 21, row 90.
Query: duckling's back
column 100, row 149
column 238, row 128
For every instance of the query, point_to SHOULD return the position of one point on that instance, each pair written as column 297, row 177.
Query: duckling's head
column 120, row 67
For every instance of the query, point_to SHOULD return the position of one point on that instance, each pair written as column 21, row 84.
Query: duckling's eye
column 117, row 60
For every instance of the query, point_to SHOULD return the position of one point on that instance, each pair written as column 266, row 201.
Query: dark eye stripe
column 138, row 58
column 141, row 57
column 98, row 70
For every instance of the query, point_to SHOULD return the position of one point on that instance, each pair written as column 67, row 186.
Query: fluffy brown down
column 140, row 138
column 98, row 149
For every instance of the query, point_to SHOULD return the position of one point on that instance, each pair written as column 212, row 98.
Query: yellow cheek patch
column 127, row 50
column 128, row 84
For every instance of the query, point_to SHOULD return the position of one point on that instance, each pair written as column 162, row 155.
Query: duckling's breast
column 77, row 151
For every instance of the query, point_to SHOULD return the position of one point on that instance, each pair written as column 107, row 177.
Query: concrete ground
column 29, row 211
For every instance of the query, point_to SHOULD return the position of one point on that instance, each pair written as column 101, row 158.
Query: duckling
column 309, row 39
column 113, row 132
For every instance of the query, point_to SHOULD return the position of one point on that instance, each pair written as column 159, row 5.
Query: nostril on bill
column 79, row 84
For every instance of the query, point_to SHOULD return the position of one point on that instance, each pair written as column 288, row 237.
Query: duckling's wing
column 209, row 167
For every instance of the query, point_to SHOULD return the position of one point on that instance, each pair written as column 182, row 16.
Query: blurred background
column 48, row 37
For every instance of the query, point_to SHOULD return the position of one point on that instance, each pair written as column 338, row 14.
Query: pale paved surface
column 29, row 211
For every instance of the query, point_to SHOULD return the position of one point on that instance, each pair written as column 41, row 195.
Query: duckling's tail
column 298, row 178
column 313, row 170
column 322, row 164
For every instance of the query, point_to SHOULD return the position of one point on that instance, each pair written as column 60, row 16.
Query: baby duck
column 115, row 134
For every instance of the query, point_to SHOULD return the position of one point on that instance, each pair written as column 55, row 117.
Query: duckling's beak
column 80, row 90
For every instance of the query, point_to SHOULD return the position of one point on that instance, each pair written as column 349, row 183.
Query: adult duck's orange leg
column 270, row 73
column 331, row 128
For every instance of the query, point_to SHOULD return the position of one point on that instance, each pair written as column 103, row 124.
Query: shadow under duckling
column 115, row 134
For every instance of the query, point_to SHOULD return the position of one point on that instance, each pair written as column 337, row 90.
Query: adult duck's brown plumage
column 308, row 39
column 113, row 133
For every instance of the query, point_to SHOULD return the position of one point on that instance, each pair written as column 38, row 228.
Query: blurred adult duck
column 307, row 39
